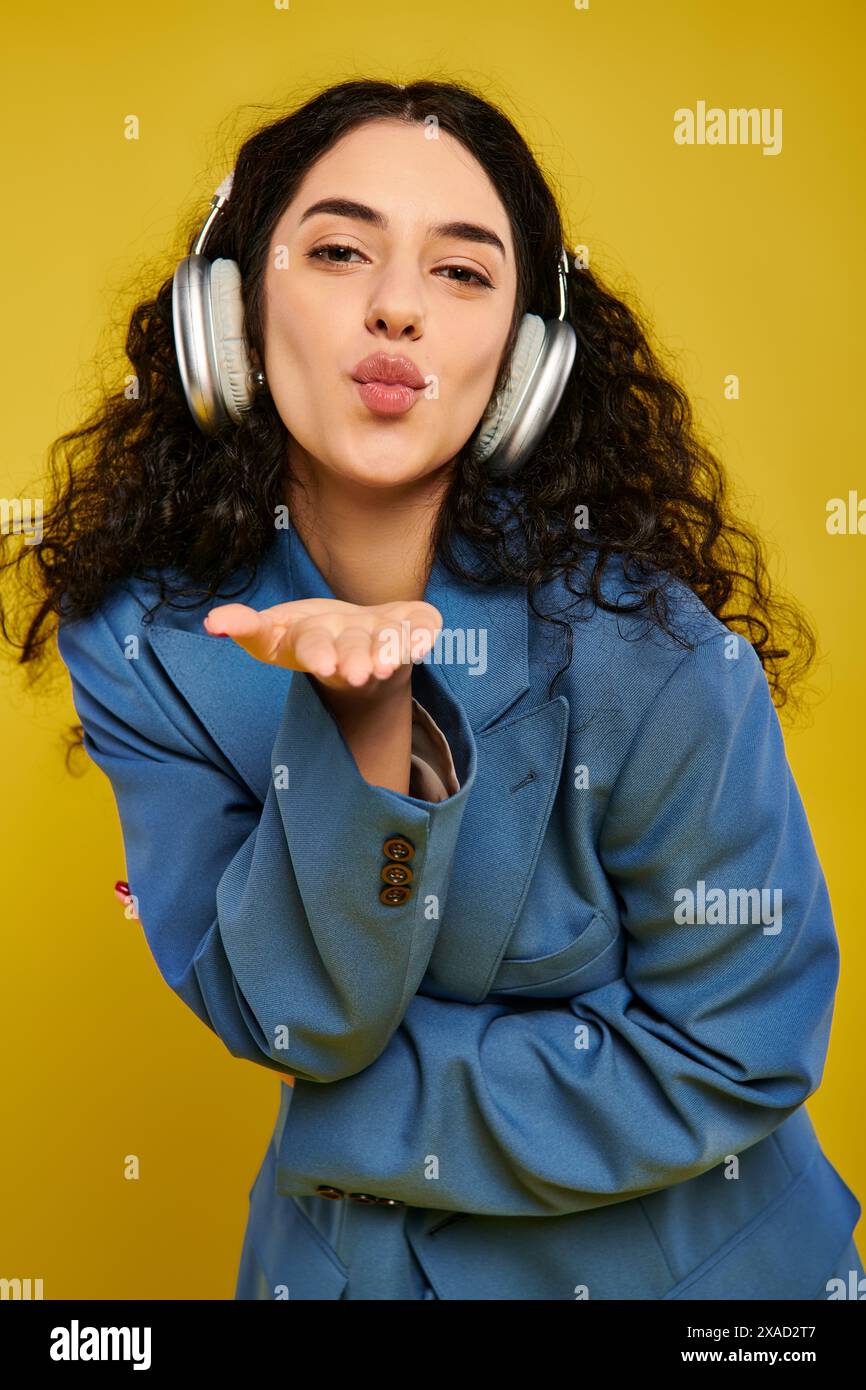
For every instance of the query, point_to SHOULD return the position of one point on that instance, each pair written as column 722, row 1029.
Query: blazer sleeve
column 266, row 919
column 715, row 1032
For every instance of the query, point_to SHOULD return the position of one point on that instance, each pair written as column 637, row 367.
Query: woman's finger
column 252, row 631
column 354, row 657
column 407, row 637
column 313, row 650
column 386, row 650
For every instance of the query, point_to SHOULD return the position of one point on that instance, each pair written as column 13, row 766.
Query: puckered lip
column 390, row 369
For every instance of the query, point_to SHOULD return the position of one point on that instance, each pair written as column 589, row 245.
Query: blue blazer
column 578, row 1050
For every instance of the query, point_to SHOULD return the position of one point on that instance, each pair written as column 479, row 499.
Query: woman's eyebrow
column 464, row 231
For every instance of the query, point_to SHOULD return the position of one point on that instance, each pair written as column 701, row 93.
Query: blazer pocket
column 784, row 1250
column 594, row 958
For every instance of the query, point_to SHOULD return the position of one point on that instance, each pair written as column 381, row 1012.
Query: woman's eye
column 321, row 253
column 464, row 269
column 332, row 246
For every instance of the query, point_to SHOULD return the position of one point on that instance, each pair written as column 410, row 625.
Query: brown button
column 394, row 895
column 389, row 1202
column 398, row 847
column 364, row 1197
column 396, row 873
column 334, row 1193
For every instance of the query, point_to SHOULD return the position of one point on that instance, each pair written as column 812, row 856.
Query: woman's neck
column 371, row 545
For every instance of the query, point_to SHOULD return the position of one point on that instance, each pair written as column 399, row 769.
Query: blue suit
column 572, row 1062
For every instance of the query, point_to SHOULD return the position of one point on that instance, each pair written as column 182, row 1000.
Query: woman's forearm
column 377, row 726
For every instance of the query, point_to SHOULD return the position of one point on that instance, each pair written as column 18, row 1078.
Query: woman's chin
column 387, row 467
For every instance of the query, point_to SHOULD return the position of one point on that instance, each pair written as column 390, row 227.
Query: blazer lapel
column 482, row 658
column 519, row 767
column 238, row 699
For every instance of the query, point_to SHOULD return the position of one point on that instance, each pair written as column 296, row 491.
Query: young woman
column 437, row 688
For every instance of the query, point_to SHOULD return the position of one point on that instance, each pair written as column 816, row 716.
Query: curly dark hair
column 145, row 491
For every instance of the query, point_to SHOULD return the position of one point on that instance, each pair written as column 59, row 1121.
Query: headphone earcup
column 512, row 427
column 501, row 411
column 231, row 357
column 212, row 356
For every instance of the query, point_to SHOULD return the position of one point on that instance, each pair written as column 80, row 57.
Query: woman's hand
column 345, row 646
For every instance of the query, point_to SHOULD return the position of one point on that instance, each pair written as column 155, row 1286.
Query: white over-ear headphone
column 219, row 381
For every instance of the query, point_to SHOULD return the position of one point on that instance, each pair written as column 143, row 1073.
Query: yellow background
column 744, row 263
